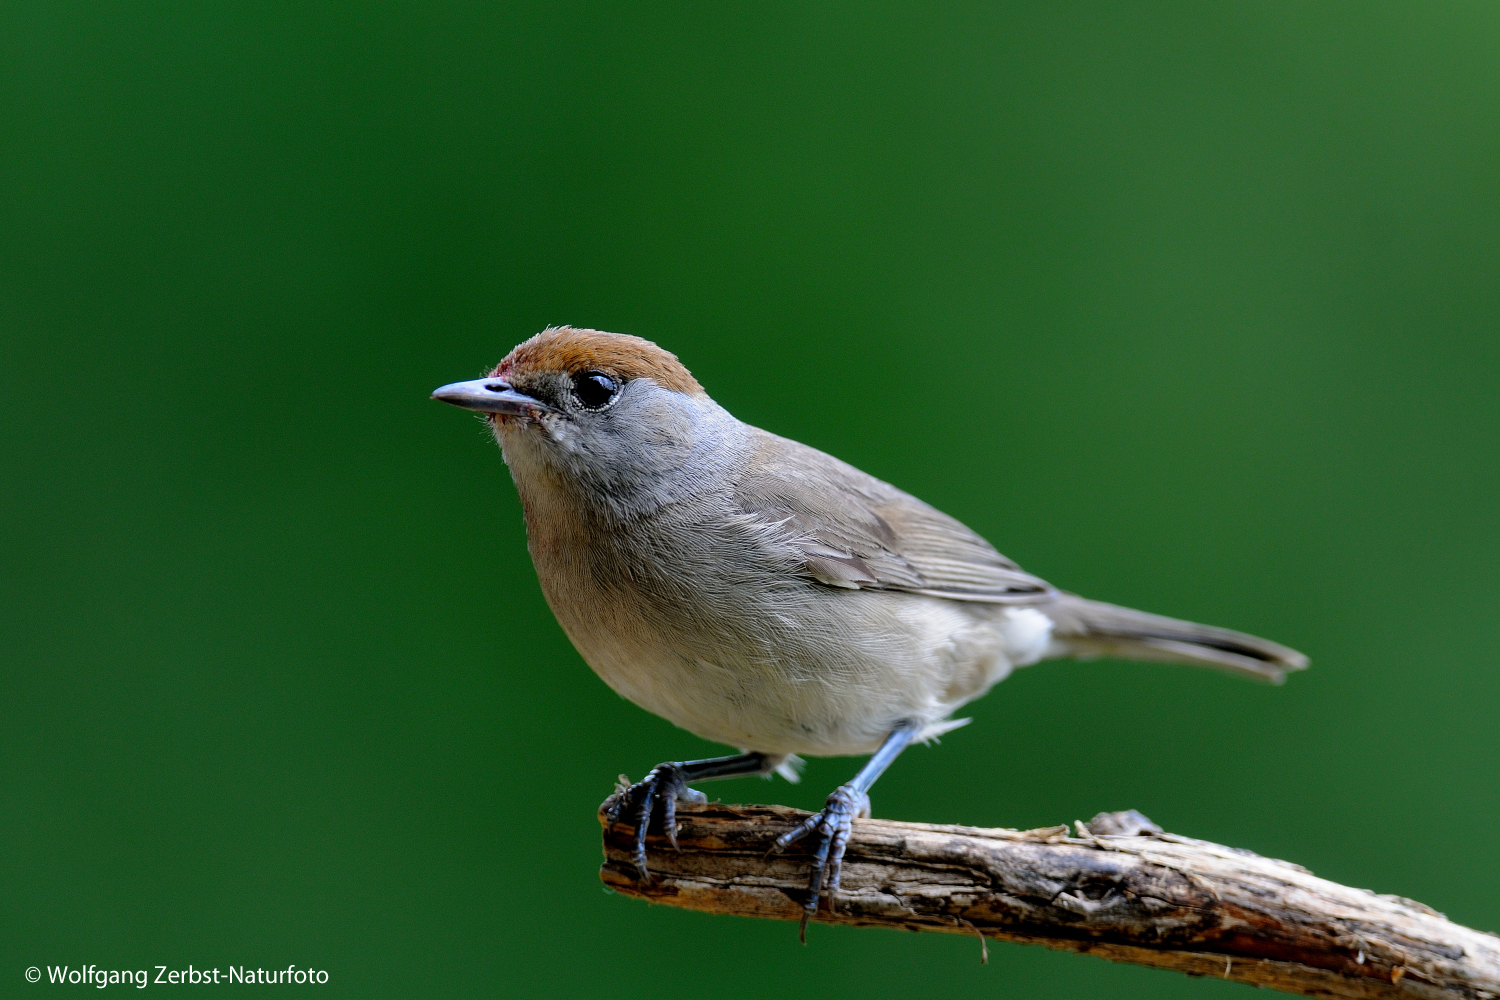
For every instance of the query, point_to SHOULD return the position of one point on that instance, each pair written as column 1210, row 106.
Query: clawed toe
column 639, row 803
column 832, row 826
column 666, row 785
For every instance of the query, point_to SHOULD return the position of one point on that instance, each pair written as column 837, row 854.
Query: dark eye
column 594, row 389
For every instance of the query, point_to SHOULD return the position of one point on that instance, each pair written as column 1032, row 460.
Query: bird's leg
column 834, row 823
column 666, row 784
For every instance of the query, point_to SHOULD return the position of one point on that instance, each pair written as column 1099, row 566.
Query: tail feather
column 1086, row 629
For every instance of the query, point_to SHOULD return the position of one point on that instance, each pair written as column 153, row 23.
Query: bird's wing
column 849, row 529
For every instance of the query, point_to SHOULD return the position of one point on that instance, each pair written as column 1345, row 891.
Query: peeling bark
column 1119, row 888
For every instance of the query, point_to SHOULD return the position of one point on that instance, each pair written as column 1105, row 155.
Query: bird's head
column 611, row 416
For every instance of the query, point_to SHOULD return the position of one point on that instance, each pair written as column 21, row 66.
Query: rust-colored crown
column 566, row 349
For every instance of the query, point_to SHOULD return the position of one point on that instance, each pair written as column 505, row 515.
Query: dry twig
column 1120, row 889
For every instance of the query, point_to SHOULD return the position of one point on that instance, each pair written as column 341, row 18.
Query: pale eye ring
column 594, row 389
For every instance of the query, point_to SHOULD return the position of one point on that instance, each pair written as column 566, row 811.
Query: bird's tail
column 1087, row 629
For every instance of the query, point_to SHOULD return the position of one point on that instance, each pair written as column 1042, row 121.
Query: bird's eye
column 594, row 389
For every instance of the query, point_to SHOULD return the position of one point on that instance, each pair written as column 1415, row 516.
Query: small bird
column 764, row 595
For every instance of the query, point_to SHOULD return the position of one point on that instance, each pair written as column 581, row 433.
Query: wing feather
column 853, row 531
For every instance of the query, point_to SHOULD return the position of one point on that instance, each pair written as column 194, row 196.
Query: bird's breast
column 713, row 635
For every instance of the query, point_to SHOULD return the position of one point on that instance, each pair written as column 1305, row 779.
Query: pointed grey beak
column 491, row 395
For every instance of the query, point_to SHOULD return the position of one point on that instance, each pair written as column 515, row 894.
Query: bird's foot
column 657, row 792
column 832, row 827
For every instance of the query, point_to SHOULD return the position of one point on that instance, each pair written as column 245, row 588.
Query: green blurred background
column 1191, row 307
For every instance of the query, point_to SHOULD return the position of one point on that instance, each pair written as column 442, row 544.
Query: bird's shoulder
column 852, row 530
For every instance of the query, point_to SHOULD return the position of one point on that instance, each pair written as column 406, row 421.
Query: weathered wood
column 1119, row 889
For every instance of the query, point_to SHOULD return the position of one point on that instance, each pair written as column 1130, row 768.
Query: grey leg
column 669, row 782
column 834, row 823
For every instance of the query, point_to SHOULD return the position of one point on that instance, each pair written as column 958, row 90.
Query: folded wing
column 854, row 531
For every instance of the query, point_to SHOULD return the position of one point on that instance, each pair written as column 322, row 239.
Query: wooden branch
column 1120, row 889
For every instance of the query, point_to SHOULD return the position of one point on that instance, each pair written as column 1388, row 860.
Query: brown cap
column 568, row 349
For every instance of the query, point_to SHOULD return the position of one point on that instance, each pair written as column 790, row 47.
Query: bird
column 764, row 595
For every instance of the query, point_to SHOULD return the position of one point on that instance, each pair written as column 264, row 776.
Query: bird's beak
column 491, row 395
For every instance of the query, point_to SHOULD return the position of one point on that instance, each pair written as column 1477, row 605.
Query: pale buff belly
column 820, row 674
